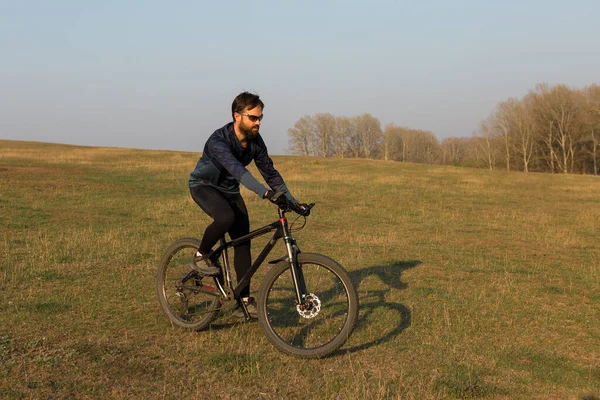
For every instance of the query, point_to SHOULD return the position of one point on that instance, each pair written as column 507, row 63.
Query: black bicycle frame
column 281, row 231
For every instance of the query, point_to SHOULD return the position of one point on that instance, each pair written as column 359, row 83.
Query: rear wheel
column 325, row 319
column 186, row 298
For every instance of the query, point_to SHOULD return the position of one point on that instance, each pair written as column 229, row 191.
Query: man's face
column 249, row 122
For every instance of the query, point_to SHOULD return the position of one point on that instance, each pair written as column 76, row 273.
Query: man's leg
column 216, row 205
column 242, row 257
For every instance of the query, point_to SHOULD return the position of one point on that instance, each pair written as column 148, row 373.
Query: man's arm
column 272, row 176
column 221, row 154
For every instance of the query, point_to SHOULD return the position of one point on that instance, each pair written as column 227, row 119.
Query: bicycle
column 307, row 304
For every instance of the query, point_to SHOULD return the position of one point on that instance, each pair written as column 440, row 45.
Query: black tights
column 230, row 216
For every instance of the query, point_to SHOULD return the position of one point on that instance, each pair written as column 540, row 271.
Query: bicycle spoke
column 188, row 299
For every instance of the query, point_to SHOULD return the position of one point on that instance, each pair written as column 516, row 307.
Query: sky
column 162, row 75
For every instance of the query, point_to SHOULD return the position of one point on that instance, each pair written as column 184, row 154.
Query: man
column 215, row 186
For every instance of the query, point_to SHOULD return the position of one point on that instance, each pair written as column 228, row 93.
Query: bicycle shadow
column 372, row 298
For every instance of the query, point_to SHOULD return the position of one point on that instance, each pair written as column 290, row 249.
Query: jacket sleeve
column 222, row 157
column 272, row 176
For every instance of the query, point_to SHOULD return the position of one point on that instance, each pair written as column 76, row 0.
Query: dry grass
column 473, row 284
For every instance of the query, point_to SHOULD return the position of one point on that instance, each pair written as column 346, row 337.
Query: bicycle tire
column 193, row 305
column 308, row 336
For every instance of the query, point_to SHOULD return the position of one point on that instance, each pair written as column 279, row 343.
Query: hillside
column 472, row 283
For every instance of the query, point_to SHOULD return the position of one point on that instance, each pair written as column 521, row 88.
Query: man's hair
column 245, row 101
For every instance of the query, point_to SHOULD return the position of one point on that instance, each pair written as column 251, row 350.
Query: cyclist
column 215, row 186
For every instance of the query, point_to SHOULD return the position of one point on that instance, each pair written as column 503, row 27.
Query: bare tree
column 409, row 145
column 565, row 113
column 429, row 148
column 591, row 127
column 486, row 144
column 544, row 125
column 524, row 132
column 355, row 140
column 453, row 150
column 557, row 111
column 418, row 146
column 301, row 137
column 585, row 133
column 392, row 142
column 324, row 124
column 344, row 129
column 369, row 130
column 502, row 123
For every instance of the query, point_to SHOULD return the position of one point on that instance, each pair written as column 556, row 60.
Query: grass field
column 472, row 283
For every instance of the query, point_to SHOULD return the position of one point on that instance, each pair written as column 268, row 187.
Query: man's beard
column 249, row 132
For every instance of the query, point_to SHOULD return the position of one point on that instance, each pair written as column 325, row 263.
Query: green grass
column 473, row 284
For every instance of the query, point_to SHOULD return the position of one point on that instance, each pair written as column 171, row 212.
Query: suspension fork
column 295, row 267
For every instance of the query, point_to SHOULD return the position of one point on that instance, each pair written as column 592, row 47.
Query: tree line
column 551, row 129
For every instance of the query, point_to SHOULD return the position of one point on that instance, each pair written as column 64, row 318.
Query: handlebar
column 299, row 208
column 284, row 204
column 307, row 208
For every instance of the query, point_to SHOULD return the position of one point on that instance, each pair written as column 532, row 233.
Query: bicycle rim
column 186, row 298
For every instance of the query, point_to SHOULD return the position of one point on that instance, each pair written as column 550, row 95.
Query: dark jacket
column 224, row 160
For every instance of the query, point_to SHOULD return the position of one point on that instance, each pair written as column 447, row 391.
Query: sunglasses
column 253, row 118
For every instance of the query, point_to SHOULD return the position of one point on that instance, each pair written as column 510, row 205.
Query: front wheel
column 325, row 319
column 186, row 298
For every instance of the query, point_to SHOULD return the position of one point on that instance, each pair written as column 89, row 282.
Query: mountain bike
column 307, row 304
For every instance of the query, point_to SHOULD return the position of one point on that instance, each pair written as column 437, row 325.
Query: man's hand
column 277, row 198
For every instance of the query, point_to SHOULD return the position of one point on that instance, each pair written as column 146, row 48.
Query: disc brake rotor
column 310, row 308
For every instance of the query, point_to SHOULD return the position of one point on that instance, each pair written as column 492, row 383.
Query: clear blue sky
column 162, row 75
